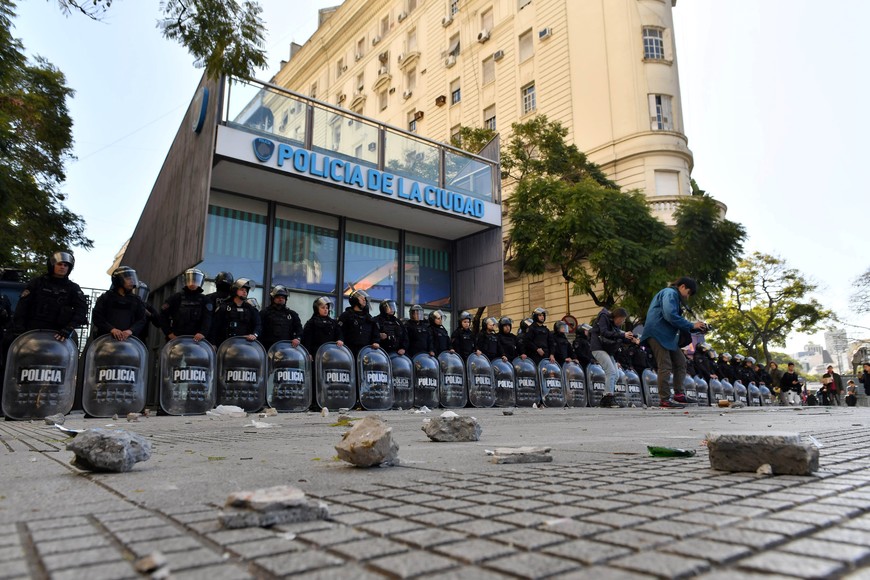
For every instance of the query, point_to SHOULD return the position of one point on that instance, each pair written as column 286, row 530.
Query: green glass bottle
column 670, row 452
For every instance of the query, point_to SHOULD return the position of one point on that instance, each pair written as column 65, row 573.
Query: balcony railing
column 298, row 120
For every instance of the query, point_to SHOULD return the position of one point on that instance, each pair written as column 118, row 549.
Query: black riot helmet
column 490, row 323
column 194, row 276
column 142, row 290
column 418, row 309
column 356, row 299
column 388, row 307
column 279, row 290
column 224, row 281
column 120, row 276
column 726, row 356
column 505, row 321
column 525, row 324
column 560, row 326
column 61, row 257
column 539, row 312
column 239, row 284
column 435, row 315
column 465, row 315
column 323, row 300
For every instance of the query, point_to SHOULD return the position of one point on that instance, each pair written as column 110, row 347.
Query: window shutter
column 653, row 117
column 667, row 117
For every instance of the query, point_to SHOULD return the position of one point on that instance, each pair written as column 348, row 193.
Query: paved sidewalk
column 602, row 509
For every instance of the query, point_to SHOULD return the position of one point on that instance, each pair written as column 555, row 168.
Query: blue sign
column 263, row 149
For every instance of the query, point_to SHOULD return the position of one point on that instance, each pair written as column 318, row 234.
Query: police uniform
column 439, row 337
column 489, row 345
column 187, row 313
column 419, row 338
column 231, row 319
column 279, row 323
column 462, row 341
column 359, row 329
column 509, row 344
column 582, row 349
column 121, row 311
column 51, row 303
column 397, row 338
column 318, row 331
column 562, row 347
column 218, row 298
column 538, row 336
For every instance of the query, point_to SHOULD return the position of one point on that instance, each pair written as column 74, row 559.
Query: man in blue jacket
column 664, row 321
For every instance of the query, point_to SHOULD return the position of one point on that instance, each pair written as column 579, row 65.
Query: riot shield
column 552, row 389
column 717, row 393
column 766, row 395
column 427, row 377
column 635, row 391
column 40, row 376
column 187, row 377
column 481, row 381
column 650, row 379
column 116, row 373
column 527, row 381
column 620, row 389
column 403, row 381
column 241, row 374
column 703, row 390
column 375, row 379
column 505, row 384
column 453, row 391
column 754, row 394
column 288, row 383
column 336, row 377
column 574, row 380
column 727, row 390
column 595, row 380
column 740, row 394
column 691, row 390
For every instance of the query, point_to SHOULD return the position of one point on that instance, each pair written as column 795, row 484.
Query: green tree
column 764, row 300
column 35, row 143
column 473, row 138
column 225, row 37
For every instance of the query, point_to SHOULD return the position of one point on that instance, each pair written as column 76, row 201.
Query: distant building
column 814, row 359
column 837, row 344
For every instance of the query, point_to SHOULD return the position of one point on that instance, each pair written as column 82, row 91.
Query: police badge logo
column 263, row 149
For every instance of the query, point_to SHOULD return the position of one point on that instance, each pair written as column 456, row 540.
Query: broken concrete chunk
column 55, row 419
column 451, row 427
column 306, row 512
column 109, row 450
column 151, row 562
column 269, row 499
column 521, row 455
column 133, row 417
column 786, row 453
column 369, row 442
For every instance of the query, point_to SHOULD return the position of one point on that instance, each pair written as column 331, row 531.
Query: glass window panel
column 467, row 175
column 305, row 255
column 411, row 158
column 488, row 70
column 527, row 48
column 339, row 135
column 371, row 260
column 427, row 274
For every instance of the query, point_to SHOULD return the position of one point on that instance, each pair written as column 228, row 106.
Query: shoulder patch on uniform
column 25, row 293
column 209, row 307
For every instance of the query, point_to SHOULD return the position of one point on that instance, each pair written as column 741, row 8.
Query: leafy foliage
column 35, row 143
column 473, row 138
column 861, row 296
column 764, row 300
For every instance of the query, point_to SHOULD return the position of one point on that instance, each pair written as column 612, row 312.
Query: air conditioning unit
column 446, row 21
column 440, row 100
column 358, row 56
column 418, row 115
column 483, row 36
column 383, row 70
column 373, row 146
column 407, row 94
column 450, row 60
column 376, row 40
column 401, row 57
column 401, row 16
column 342, row 98
column 498, row 55
column 545, row 33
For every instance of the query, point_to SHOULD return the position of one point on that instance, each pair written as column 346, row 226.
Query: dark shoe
column 671, row 404
column 607, row 401
column 682, row 398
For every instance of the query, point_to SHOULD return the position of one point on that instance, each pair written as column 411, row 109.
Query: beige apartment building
column 606, row 69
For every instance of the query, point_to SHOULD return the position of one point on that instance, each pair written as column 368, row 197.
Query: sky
column 771, row 97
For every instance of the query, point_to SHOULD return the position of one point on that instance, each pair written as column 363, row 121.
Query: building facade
column 606, row 69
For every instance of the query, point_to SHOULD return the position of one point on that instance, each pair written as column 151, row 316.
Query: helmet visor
column 193, row 277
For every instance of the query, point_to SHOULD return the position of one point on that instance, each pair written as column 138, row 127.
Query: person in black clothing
column 791, row 386
column 357, row 326
column 223, row 289
column 417, row 333
column 279, row 322
column 836, row 386
column 438, row 334
column 703, row 364
column 582, row 349
column 52, row 301
column 321, row 327
column 488, row 340
column 762, row 375
column 562, row 350
column 537, row 340
column 391, row 332
column 189, row 312
column 508, row 341
column 606, row 335
column 119, row 312
column 462, row 339
column 745, row 373
column 724, row 368
column 152, row 315
column 736, row 365
column 864, row 379
column 236, row 316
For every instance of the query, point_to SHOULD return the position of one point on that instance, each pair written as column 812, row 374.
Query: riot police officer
column 189, row 312
column 119, row 311
column 438, row 334
column 391, row 332
column 236, row 316
column 703, row 364
column 152, row 316
column 507, row 340
column 279, row 321
column 462, row 339
column 537, row 340
column 321, row 327
column 223, row 289
column 746, row 373
column 582, row 348
column 562, row 350
column 417, row 331
column 488, row 340
column 357, row 325
column 52, row 301
column 724, row 368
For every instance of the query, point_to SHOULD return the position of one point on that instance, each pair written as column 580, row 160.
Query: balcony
column 664, row 206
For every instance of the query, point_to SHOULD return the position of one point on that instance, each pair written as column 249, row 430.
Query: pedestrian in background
column 836, row 387
column 791, row 386
column 851, row 394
